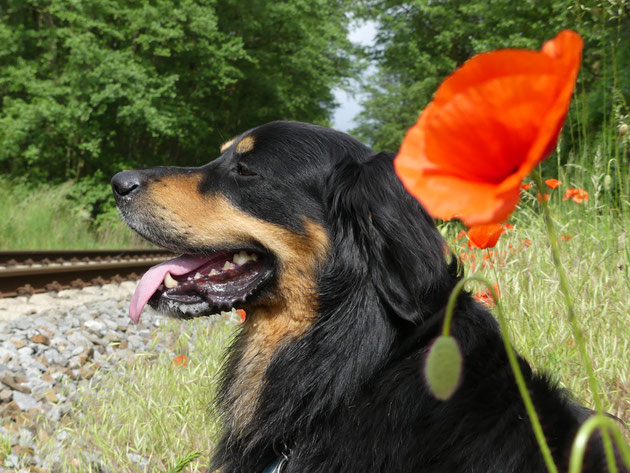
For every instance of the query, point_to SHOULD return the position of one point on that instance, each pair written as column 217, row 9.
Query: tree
column 420, row 42
column 107, row 84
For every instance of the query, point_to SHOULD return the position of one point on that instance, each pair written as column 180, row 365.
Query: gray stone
column 95, row 326
column 37, row 365
column 135, row 341
column 53, row 357
column 54, row 414
column 22, row 323
column 5, row 355
column 25, row 352
column 26, row 438
column 77, row 339
column 77, row 351
column 9, row 346
column 74, row 362
column 24, row 401
column 12, row 460
column 111, row 324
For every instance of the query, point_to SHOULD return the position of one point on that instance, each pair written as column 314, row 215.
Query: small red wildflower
column 241, row 313
column 570, row 193
column 180, row 360
column 461, row 234
column 553, row 183
column 581, row 196
column 540, row 197
column 526, row 186
column 566, row 237
column 485, row 236
column 485, row 297
column 527, row 242
column 578, row 195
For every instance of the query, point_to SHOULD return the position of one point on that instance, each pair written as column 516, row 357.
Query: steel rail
column 31, row 272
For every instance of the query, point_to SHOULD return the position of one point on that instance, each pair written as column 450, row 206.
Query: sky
column 349, row 105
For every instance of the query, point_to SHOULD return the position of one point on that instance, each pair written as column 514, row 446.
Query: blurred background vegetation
column 91, row 87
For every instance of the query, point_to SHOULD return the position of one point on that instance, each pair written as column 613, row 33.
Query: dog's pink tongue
column 152, row 279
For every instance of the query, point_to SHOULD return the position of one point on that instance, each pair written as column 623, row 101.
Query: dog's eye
column 243, row 171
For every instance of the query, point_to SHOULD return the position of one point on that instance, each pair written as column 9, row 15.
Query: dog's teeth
column 240, row 257
column 214, row 272
column 198, row 275
column 169, row 281
column 228, row 265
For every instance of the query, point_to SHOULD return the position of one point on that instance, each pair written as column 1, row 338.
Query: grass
column 46, row 218
column 596, row 258
column 153, row 413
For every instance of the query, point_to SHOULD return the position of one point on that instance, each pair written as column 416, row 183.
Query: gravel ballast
column 50, row 345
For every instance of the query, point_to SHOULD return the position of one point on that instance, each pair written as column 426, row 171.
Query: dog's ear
column 376, row 223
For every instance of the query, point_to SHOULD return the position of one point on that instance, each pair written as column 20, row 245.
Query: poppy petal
column 485, row 236
column 489, row 124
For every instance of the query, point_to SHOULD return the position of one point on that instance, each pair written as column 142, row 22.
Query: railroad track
column 31, row 272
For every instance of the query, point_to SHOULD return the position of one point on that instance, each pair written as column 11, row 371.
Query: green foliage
column 108, row 84
column 61, row 216
column 420, row 42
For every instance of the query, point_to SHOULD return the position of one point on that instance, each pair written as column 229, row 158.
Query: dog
column 344, row 279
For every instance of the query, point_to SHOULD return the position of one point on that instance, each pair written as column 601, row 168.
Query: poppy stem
column 511, row 354
column 585, row 432
column 575, row 327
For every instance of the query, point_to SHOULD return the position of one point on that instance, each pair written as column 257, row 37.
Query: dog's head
column 258, row 224
column 310, row 232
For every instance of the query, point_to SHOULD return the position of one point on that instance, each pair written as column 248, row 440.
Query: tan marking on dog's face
column 212, row 221
column 226, row 145
column 245, row 145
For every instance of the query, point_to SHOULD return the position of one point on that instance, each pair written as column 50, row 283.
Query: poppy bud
column 607, row 181
column 443, row 367
column 623, row 129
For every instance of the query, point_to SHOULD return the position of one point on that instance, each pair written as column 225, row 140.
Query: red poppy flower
column 570, row 193
column 566, row 237
column 526, row 186
column 540, row 197
column 489, row 124
column 242, row 314
column 485, row 236
column 180, row 360
column 577, row 195
column 486, row 298
column 581, row 196
column 553, row 183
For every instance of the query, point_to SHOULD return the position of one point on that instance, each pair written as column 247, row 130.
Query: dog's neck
column 269, row 329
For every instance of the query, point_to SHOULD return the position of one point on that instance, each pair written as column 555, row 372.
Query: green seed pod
column 443, row 367
column 623, row 129
column 607, row 181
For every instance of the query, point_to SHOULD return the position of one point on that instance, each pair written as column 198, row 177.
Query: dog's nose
column 126, row 182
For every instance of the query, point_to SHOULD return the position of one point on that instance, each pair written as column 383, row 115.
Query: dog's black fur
column 348, row 394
